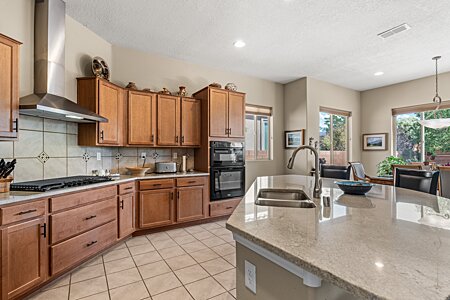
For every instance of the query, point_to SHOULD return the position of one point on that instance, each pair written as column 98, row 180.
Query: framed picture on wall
column 294, row 138
column 375, row 142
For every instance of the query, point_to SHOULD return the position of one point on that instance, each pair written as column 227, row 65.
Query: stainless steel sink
column 284, row 198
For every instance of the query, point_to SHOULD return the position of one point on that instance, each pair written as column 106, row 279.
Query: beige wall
column 154, row 71
column 303, row 98
column 295, row 118
column 377, row 105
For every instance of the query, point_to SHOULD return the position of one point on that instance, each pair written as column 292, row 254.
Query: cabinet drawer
column 75, row 199
column 21, row 212
column 126, row 188
column 72, row 222
column 156, row 184
column 224, row 207
column 72, row 251
column 191, row 181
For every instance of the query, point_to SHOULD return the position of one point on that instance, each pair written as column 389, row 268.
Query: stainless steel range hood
column 48, row 100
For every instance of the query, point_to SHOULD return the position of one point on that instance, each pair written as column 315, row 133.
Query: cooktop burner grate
column 57, row 183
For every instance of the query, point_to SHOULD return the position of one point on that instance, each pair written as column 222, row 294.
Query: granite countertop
column 15, row 197
column 393, row 243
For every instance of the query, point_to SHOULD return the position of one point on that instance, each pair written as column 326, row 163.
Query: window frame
column 341, row 113
column 260, row 111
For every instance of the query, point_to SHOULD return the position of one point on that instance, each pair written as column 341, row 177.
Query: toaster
column 165, row 167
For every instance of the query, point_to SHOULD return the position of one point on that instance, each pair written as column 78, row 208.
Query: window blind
column 258, row 110
column 335, row 111
column 419, row 108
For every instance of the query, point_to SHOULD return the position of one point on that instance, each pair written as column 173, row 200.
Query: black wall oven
column 227, row 170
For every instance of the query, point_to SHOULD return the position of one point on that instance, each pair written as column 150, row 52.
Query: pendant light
column 436, row 123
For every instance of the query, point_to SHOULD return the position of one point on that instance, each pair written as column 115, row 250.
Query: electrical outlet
column 143, row 155
column 99, row 156
column 250, row 276
column 174, row 156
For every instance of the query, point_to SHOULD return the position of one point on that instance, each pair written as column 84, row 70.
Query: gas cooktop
column 57, row 183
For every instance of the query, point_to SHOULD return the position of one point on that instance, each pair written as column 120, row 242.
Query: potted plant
column 384, row 168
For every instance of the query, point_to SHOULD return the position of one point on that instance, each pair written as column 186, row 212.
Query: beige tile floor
column 196, row 262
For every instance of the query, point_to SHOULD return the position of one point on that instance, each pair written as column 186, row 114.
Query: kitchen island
column 392, row 243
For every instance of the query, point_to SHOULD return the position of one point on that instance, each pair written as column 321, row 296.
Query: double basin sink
column 284, row 198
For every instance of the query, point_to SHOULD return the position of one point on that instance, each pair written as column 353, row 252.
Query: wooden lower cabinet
column 223, row 207
column 126, row 215
column 24, row 257
column 156, row 208
column 190, row 202
column 70, row 252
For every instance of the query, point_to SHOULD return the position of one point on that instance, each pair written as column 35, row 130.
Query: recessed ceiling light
column 378, row 73
column 239, row 44
column 379, row 264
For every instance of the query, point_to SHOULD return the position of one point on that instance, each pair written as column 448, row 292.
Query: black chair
column 335, row 171
column 418, row 180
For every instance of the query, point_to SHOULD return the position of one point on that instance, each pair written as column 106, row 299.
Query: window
column 334, row 137
column 415, row 143
column 258, row 135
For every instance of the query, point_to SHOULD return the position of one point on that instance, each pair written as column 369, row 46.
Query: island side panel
column 274, row 282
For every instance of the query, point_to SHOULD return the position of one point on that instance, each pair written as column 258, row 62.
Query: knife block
column 5, row 183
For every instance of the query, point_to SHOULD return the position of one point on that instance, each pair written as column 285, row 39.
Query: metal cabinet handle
column 16, row 125
column 152, row 138
column 26, row 212
column 226, row 130
column 128, row 188
column 44, row 233
column 90, row 217
column 178, row 194
column 192, row 181
column 229, row 130
column 121, row 204
column 91, row 243
column 229, row 207
column 182, row 138
column 157, row 184
column 176, row 139
column 101, row 135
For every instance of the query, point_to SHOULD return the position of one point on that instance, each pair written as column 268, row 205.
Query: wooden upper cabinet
column 24, row 257
column 9, row 88
column 190, row 122
column 107, row 100
column 236, row 115
column 168, row 120
column 218, row 113
column 141, row 118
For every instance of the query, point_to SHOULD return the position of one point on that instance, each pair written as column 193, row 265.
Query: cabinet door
column 236, row 114
column 9, row 88
column 141, row 118
column 190, row 203
column 218, row 113
column 190, row 122
column 156, row 208
column 109, row 103
column 126, row 215
column 24, row 257
column 168, row 120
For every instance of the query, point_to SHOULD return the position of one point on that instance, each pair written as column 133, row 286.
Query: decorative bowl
column 100, row 67
column 137, row 171
column 354, row 187
column 216, row 85
column 231, row 87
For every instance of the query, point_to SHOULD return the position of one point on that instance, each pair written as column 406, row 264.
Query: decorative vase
column 131, row 86
column 5, row 184
column 231, row 87
column 216, row 85
column 165, row 92
column 182, row 91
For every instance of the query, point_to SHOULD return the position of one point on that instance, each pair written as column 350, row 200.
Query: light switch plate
column 99, row 156
column 250, row 276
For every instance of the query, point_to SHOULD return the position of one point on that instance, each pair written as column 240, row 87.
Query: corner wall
column 377, row 105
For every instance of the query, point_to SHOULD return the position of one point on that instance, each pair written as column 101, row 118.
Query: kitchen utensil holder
column 5, row 184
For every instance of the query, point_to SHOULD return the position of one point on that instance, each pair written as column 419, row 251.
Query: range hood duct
column 48, row 100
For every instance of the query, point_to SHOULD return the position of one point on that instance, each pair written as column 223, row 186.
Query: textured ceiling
column 334, row 41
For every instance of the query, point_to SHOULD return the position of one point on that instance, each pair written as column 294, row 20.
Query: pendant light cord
column 437, row 99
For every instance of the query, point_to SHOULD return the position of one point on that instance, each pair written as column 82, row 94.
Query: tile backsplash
column 49, row 148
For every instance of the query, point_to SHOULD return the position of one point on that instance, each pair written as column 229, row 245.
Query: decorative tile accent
column 43, row 157
column 155, row 155
column 86, row 156
column 118, row 156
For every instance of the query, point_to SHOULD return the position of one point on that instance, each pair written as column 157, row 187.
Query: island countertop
column 392, row 243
